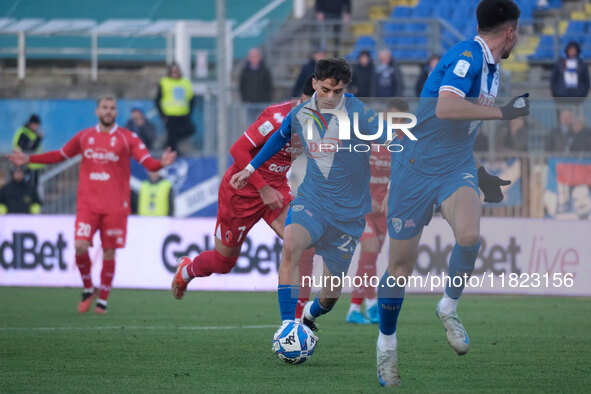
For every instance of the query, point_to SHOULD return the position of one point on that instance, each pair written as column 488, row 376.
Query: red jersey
column 380, row 164
column 274, row 170
column 103, row 186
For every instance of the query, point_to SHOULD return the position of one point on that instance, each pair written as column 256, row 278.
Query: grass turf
column 151, row 342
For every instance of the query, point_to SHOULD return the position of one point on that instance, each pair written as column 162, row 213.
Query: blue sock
column 389, row 301
column 461, row 262
column 288, row 301
column 317, row 309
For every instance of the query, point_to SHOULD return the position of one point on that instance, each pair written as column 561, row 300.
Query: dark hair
column 308, row 89
column 34, row 119
column 573, row 44
column 337, row 69
column 398, row 103
column 491, row 14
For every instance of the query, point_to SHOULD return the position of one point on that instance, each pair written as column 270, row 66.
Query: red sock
column 357, row 300
column 84, row 265
column 306, row 265
column 210, row 262
column 107, row 274
column 366, row 266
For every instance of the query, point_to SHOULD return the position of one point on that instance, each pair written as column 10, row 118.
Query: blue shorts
column 414, row 196
column 334, row 240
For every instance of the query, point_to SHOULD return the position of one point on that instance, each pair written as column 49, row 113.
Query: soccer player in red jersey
column 376, row 227
column 103, row 191
column 266, row 196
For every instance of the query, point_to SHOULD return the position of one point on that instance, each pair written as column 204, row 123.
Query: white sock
column 89, row 290
column 369, row 302
column 354, row 307
column 387, row 342
column 102, row 302
column 447, row 304
column 185, row 274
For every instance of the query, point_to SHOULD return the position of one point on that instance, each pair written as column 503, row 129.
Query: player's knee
column 81, row 247
column 468, row 238
column 108, row 254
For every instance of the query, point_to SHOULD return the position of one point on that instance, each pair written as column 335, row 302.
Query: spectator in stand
column 18, row 196
column 28, row 139
column 155, row 197
column 138, row 123
column 433, row 60
column 514, row 135
column 256, row 85
column 570, row 77
column 581, row 137
column 307, row 70
column 175, row 101
column 558, row 139
column 333, row 12
column 388, row 79
column 362, row 84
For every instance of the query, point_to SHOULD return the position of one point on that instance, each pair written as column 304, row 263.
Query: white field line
column 94, row 328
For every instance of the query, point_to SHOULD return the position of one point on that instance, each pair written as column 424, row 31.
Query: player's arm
column 71, row 149
column 242, row 152
column 273, row 145
column 142, row 155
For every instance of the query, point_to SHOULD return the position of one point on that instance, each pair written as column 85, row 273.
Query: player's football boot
column 356, row 317
column 87, row 299
column 388, row 374
column 307, row 317
column 100, row 309
column 456, row 333
column 373, row 314
column 179, row 285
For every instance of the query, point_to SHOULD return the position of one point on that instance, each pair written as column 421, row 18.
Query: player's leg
column 326, row 299
column 236, row 216
column 306, row 261
column 462, row 211
column 366, row 268
column 85, row 227
column 113, row 230
column 403, row 256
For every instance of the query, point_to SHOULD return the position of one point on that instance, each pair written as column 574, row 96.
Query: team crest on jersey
column 461, row 68
column 278, row 117
column 265, row 128
column 297, row 208
column 397, row 224
column 467, row 53
column 228, row 235
column 91, row 140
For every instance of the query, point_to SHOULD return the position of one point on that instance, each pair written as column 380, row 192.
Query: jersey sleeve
column 72, row 147
column 138, row 148
column 275, row 143
column 259, row 132
column 461, row 74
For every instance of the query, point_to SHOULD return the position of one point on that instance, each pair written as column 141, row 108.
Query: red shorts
column 237, row 214
column 113, row 228
column 376, row 225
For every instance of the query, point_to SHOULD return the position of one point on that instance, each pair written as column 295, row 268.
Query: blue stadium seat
column 576, row 27
column 363, row 43
column 402, row 12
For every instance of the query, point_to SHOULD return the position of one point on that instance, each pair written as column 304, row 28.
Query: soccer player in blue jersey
column 333, row 199
column 439, row 170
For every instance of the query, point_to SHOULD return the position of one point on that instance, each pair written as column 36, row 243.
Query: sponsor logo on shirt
column 409, row 223
column 100, row 155
column 278, row 117
column 276, row 168
column 99, row 176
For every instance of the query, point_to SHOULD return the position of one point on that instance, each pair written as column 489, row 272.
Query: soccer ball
column 294, row 342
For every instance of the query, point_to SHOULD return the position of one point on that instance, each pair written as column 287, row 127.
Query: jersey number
column 348, row 240
column 83, row 230
column 241, row 228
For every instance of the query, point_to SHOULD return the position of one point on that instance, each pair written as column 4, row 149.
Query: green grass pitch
column 151, row 342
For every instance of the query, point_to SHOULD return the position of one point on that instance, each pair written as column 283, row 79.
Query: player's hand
column 238, row 180
column 271, row 197
column 19, row 158
column 168, row 157
column 491, row 186
column 518, row 106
